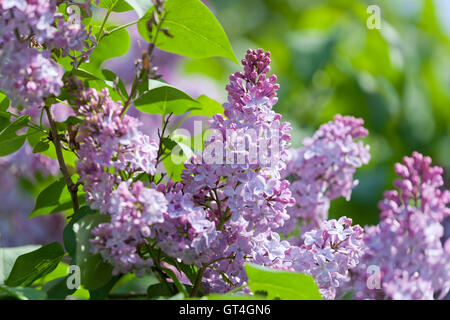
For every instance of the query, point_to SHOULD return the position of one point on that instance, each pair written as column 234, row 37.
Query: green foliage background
column 328, row 61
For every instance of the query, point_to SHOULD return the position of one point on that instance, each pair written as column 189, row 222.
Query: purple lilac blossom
column 29, row 31
column 323, row 169
column 406, row 245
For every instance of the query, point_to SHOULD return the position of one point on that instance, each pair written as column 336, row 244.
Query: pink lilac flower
column 406, row 245
column 29, row 31
column 323, row 170
column 109, row 141
column 133, row 210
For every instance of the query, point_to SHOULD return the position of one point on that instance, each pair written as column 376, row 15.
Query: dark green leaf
column 41, row 146
column 34, row 136
column 102, row 293
column 158, row 290
column 54, row 198
column 57, row 289
column 33, row 265
column 69, row 235
column 95, row 273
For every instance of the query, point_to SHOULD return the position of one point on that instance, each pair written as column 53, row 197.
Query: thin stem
column 102, row 28
column 123, row 26
column 198, row 281
column 137, row 80
column 73, row 189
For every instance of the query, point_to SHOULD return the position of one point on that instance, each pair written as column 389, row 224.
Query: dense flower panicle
column 133, row 209
column 323, row 170
column 109, row 141
column 237, row 178
column 328, row 254
column 187, row 233
column 29, row 31
column 406, row 245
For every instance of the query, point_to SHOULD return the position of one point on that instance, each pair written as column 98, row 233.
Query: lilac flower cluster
column 406, row 245
column 30, row 31
column 134, row 208
column 323, row 169
column 328, row 254
column 248, row 201
column 186, row 232
column 112, row 148
column 113, row 153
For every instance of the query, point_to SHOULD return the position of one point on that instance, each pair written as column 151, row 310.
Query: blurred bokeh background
column 397, row 78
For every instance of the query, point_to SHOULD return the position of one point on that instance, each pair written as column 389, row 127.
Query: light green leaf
column 111, row 45
column 9, row 255
column 209, row 107
column 278, row 284
column 95, row 273
column 164, row 99
column 196, row 32
column 23, row 293
column 115, row 5
column 33, row 265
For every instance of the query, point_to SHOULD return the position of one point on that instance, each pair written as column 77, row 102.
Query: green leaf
column 41, row 146
column 115, row 5
column 8, row 256
column 281, row 284
column 209, row 107
column 54, row 198
column 10, row 130
column 35, row 136
column 57, row 289
column 102, row 293
column 4, row 104
column 164, row 99
column 23, row 293
column 196, row 32
column 69, row 235
column 9, row 141
column 181, row 288
column 11, row 145
column 111, row 77
column 140, row 6
column 33, row 265
column 95, row 273
column 111, row 45
column 158, row 290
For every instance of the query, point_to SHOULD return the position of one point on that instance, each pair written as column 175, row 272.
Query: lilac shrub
column 244, row 198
